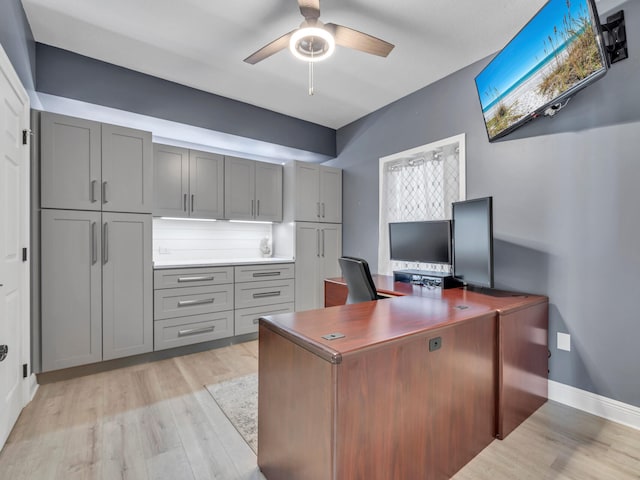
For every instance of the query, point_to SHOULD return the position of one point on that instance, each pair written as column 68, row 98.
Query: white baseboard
column 604, row 407
column 33, row 386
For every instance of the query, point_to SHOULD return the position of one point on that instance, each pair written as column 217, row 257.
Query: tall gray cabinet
column 96, row 257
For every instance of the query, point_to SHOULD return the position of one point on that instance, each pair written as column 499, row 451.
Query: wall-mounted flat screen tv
column 559, row 52
column 423, row 242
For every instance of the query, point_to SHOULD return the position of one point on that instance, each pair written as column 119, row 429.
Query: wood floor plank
column 157, row 421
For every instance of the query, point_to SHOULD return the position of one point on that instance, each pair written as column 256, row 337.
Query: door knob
column 4, row 350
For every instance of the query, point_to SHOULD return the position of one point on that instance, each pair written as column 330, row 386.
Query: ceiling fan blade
column 269, row 49
column 350, row 38
column 309, row 8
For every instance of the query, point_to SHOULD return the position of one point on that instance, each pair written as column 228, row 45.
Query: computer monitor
column 423, row 242
column 472, row 225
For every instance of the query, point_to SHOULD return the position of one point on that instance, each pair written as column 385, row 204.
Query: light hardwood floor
column 157, row 421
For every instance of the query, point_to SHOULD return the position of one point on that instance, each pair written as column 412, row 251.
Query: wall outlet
column 564, row 341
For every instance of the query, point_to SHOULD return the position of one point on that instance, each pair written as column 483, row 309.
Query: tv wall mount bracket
column 615, row 37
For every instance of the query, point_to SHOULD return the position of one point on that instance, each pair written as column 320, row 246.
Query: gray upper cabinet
column 127, row 170
column 127, row 285
column 91, row 166
column 187, row 183
column 206, row 184
column 171, row 181
column 252, row 190
column 71, row 163
column 317, row 193
column 71, row 288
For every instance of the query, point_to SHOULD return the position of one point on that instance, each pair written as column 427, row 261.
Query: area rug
column 238, row 399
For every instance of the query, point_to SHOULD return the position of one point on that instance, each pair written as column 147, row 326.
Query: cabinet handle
column 318, row 209
column 94, row 244
column 267, row 294
column 193, row 196
column 189, row 303
column 257, row 208
column 266, row 274
column 105, row 243
column 322, row 209
column 252, row 208
column 256, row 321
column 318, row 243
column 93, row 191
column 104, row 192
column 184, row 202
column 194, row 279
column 195, row 331
column 323, row 243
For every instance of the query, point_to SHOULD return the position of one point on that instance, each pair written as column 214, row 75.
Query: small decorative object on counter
column 265, row 247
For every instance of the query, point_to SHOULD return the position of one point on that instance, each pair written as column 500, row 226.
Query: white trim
column 604, row 407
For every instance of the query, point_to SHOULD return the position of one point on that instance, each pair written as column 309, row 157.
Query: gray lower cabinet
column 96, row 287
column 71, row 276
column 192, row 305
column 127, row 285
column 262, row 290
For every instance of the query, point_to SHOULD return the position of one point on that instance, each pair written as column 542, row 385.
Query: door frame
column 29, row 384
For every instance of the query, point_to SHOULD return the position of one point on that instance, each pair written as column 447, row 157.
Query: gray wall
column 566, row 215
column 17, row 40
column 70, row 75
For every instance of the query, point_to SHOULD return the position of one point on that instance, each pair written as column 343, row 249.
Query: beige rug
column 238, row 399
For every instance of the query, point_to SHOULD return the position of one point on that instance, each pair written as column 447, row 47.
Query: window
column 419, row 184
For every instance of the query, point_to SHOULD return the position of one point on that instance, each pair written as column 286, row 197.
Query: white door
column 14, row 273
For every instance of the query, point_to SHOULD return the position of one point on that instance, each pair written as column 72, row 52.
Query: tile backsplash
column 201, row 240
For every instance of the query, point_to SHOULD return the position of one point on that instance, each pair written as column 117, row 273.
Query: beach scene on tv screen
column 555, row 51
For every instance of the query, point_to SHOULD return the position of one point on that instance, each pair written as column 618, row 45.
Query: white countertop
column 204, row 262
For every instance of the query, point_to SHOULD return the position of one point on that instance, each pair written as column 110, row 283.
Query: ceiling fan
column 314, row 40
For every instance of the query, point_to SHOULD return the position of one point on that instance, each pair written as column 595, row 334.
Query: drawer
column 179, row 302
column 177, row 332
column 191, row 277
column 266, row 292
column 256, row 273
column 246, row 319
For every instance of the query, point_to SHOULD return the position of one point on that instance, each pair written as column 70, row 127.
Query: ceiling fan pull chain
column 311, row 78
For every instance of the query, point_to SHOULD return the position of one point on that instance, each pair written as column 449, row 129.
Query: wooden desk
column 377, row 404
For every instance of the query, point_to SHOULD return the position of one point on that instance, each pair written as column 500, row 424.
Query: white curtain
column 419, row 184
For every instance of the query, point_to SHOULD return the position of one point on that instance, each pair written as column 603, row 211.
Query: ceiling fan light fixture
column 312, row 44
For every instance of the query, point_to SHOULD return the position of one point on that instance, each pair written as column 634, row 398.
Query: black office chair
column 359, row 282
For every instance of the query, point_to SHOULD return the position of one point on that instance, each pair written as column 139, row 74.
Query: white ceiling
column 201, row 44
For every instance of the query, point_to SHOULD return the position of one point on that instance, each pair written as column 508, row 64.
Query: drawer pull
column 195, row 331
column 266, row 274
column 189, row 303
column 271, row 312
column 256, row 321
column 266, row 294
column 195, row 279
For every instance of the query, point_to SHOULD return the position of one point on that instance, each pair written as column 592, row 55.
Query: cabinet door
column 171, row 181
column 127, row 286
column 71, row 289
column 307, row 188
column 127, row 170
column 239, row 188
column 206, row 185
column 307, row 264
column 268, row 192
column 70, row 163
column 330, row 251
column 331, row 194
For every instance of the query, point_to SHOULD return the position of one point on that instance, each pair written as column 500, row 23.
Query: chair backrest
column 359, row 282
